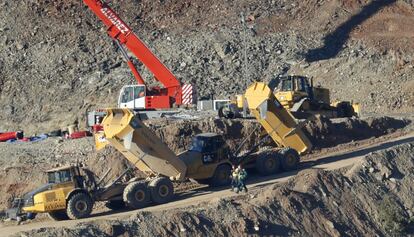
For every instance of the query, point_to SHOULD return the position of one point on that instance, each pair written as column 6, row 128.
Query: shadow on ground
column 334, row 41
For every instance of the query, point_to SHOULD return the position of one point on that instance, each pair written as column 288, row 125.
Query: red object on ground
column 11, row 135
column 25, row 139
column 97, row 128
column 79, row 134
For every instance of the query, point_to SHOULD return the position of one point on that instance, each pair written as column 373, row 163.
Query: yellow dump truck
column 72, row 191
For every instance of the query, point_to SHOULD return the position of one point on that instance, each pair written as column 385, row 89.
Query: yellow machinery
column 279, row 123
column 71, row 191
column 301, row 98
column 298, row 94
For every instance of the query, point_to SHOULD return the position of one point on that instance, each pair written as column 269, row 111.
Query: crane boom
column 123, row 34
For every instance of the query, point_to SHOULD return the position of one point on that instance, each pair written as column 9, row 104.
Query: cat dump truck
column 279, row 125
column 72, row 191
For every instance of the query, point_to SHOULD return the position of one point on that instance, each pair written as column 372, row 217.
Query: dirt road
column 332, row 161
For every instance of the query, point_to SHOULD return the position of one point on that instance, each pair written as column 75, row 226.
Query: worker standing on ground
column 234, row 178
column 242, row 179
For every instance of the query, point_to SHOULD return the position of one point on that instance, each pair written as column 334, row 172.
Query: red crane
column 140, row 96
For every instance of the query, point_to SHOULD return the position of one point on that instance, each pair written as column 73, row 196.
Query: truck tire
column 136, row 195
column 267, row 163
column 58, row 215
column 162, row 190
column 115, row 204
column 79, row 206
column 221, row 176
column 289, row 159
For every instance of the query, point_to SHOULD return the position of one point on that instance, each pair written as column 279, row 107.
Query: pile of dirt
column 324, row 132
column 373, row 197
column 177, row 134
column 61, row 63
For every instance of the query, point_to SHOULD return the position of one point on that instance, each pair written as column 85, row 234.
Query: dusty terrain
column 56, row 60
column 365, row 192
column 24, row 163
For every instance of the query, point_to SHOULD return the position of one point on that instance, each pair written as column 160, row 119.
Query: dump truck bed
column 130, row 136
column 278, row 122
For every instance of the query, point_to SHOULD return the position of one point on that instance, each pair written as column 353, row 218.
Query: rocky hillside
column 56, row 60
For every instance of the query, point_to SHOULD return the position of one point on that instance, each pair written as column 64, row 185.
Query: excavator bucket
column 278, row 122
column 130, row 136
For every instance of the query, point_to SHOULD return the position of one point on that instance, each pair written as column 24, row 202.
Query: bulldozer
column 298, row 95
column 303, row 99
column 72, row 191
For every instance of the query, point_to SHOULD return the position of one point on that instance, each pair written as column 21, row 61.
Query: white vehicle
column 132, row 97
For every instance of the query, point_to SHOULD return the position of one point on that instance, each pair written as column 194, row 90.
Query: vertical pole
column 243, row 20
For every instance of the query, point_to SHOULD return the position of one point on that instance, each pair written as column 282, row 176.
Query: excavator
column 140, row 97
column 71, row 191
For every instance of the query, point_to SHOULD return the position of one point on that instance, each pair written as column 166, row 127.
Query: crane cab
column 132, row 97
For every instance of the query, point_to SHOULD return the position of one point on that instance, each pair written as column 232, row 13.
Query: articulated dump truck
column 71, row 191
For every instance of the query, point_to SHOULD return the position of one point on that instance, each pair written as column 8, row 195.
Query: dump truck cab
column 208, row 152
column 52, row 195
column 63, row 183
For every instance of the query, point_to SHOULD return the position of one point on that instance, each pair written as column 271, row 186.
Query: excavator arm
column 122, row 33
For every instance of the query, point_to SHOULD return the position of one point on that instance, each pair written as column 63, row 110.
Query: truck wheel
column 221, row 176
column 267, row 163
column 289, row 159
column 115, row 204
column 79, row 206
column 161, row 189
column 136, row 195
column 58, row 215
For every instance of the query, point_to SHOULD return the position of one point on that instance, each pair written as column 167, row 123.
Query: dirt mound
column 324, row 132
column 374, row 197
column 177, row 134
